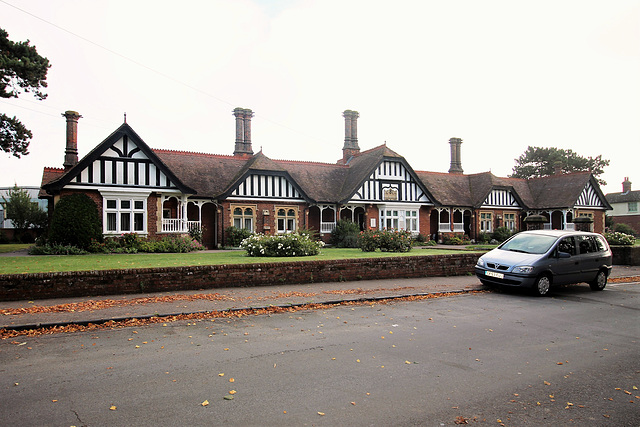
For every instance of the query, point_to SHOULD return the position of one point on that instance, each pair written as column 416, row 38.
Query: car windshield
column 529, row 243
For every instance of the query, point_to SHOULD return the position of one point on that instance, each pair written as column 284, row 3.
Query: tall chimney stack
column 71, row 150
column 350, row 147
column 243, row 132
column 456, row 163
column 626, row 185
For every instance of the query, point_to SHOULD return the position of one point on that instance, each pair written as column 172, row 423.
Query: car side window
column 567, row 245
column 600, row 244
column 586, row 244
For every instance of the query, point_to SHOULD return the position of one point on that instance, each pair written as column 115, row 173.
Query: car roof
column 559, row 233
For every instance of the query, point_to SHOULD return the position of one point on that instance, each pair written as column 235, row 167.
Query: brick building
column 625, row 206
column 154, row 192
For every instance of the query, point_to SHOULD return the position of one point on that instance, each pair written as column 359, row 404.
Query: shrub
column 49, row 249
column 617, row 238
column 282, row 245
column 196, row 233
column 624, row 228
column 75, row 222
column 501, row 234
column 132, row 243
column 484, row 237
column 345, row 234
column 235, row 235
column 385, row 240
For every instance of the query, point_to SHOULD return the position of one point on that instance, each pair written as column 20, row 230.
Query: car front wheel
column 542, row 286
column 600, row 281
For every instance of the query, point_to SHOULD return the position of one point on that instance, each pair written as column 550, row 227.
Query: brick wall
column 114, row 282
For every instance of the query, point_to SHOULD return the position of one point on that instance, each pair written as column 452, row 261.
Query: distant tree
column 23, row 213
column 22, row 69
column 538, row 162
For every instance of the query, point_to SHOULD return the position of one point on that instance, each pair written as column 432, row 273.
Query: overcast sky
column 501, row 75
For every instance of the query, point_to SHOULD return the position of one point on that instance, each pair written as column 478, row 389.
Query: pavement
column 25, row 315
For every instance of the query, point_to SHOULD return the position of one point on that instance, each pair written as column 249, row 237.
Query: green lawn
column 12, row 247
column 54, row 263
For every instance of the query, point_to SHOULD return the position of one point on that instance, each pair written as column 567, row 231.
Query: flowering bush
column 282, row 245
column 385, row 240
column 617, row 238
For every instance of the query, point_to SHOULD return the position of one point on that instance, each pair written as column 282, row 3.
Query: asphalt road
column 487, row 359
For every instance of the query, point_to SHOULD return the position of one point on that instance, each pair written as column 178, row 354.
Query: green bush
column 48, row 249
column 345, row 234
column 132, row 243
column 501, row 234
column 624, row 228
column 282, row 245
column 616, row 238
column 75, row 222
column 235, row 235
column 385, row 240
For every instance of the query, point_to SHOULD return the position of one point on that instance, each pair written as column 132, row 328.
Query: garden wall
column 626, row 255
column 114, row 282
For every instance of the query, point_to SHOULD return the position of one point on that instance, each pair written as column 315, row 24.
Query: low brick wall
column 626, row 255
column 113, row 282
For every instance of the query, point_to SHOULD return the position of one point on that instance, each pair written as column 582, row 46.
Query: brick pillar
column 71, row 150
column 350, row 147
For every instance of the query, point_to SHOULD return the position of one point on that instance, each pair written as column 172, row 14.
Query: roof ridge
column 53, row 169
column 310, row 162
column 197, row 153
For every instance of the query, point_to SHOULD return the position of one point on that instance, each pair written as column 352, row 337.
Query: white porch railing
column 327, row 227
column 444, row 227
column 458, row 228
column 571, row 226
column 173, row 225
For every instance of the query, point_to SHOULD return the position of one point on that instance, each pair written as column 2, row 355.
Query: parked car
column 544, row 258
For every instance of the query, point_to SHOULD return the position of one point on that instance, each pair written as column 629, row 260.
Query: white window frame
column 118, row 207
column 632, row 207
column 400, row 218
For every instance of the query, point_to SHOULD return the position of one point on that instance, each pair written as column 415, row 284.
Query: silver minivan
column 543, row 258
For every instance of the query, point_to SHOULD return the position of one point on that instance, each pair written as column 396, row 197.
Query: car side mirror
column 564, row 254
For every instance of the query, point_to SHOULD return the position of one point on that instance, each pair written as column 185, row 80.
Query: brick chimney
column 243, row 132
column 350, row 147
column 626, row 185
column 71, row 150
column 456, row 163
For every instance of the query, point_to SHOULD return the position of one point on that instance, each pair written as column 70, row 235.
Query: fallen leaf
column 547, row 383
column 221, row 374
column 113, row 408
column 205, row 403
column 321, row 414
column 231, row 380
column 232, row 392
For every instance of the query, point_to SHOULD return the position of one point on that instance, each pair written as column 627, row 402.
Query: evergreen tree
column 537, row 162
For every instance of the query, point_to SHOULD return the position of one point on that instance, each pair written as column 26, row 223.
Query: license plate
column 494, row 274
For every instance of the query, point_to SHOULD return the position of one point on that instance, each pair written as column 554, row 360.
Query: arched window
column 243, row 217
column 286, row 219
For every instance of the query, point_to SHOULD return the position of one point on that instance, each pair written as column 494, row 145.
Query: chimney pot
column 626, row 185
column 71, row 150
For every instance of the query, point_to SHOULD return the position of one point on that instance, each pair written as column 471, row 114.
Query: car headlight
column 524, row 269
column 480, row 262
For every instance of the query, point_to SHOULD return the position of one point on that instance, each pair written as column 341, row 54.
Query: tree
column 22, row 69
column 23, row 213
column 538, row 162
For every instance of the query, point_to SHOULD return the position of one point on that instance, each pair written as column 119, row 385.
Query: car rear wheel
column 600, row 281
column 542, row 286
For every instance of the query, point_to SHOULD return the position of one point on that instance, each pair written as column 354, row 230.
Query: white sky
column 501, row 75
